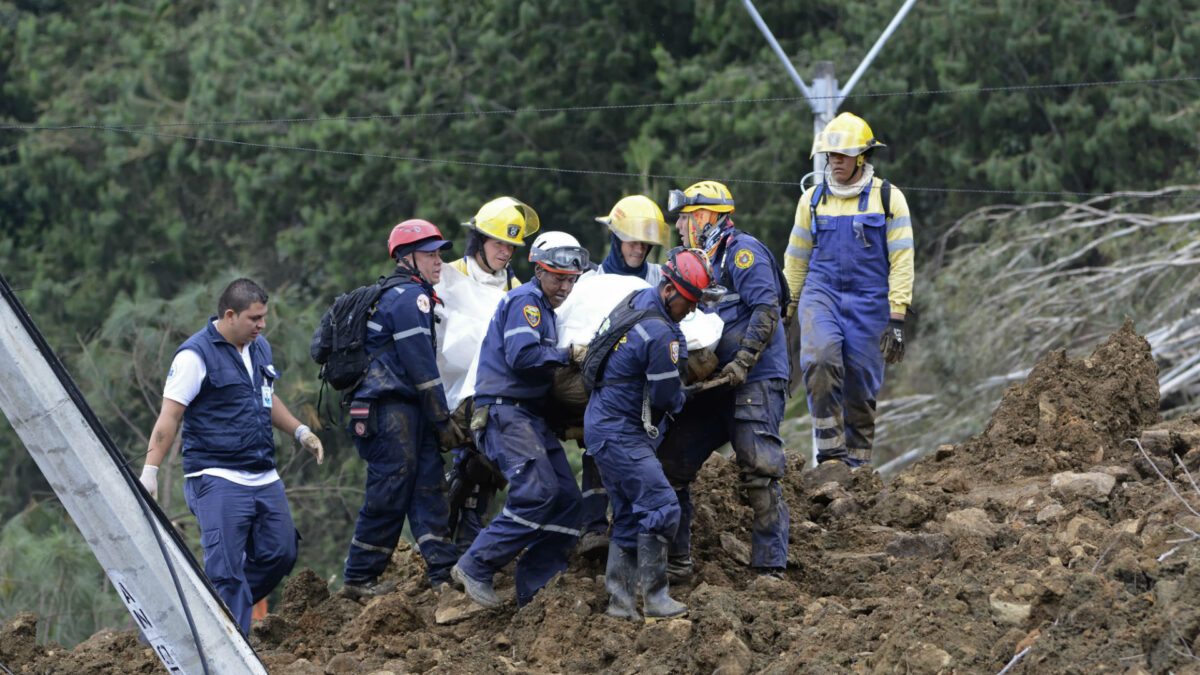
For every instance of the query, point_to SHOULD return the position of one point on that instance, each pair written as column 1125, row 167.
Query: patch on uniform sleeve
column 533, row 315
column 743, row 259
column 423, row 303
column 675, row 352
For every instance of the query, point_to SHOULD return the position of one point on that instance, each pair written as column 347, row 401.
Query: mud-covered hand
column 306, row 439
column 737, row 369
column 451, row 436
column 578, row 352
column 891, row 343
column 790, row 311
column 149, row 480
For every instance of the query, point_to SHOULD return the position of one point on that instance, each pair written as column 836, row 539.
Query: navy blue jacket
column 520, row 349
column 749, row 271
column 228, row 424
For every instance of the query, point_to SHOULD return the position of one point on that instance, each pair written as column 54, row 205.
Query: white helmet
column 559, row 252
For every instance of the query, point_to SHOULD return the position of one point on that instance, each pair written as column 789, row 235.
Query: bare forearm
column 163, row 434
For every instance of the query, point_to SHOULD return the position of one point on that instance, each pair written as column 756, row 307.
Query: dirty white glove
column 306, row 439
column 149, row 479
column 578, row 352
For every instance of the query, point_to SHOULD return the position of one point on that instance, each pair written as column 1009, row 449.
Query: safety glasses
column 564, row 258
column 677, row 200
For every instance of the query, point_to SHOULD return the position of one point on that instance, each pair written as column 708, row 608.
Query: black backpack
column 339, row 344
column 614, row 327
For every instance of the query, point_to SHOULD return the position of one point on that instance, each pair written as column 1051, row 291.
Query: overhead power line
column 592, row 172
column 601, row 108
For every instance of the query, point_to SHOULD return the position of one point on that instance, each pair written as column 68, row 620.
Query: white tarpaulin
column 469, row 307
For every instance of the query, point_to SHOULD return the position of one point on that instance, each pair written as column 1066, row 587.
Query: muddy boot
column 593, row 544
column 620, row 578
column 680, row 568
column 652, row 573
column 368, row 588
column 479, row 591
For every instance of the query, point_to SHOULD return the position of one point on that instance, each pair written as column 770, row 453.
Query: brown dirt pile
column 1045, row 535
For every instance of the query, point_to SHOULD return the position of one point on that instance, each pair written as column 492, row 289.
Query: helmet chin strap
column 481, row 258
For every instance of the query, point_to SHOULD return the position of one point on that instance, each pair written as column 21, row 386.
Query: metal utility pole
column 824, row 97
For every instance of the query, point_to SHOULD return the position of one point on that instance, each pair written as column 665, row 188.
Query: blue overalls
column 542, row 513
column 749, row 417
column 646, row 362
column 843, row 310
column 246, row 531
column 394, row 417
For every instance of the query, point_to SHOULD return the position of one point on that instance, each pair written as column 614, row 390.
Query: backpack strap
column 817, row 194
column 885, row 196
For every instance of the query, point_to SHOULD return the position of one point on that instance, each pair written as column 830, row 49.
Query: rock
column 1093, row 486
column 303, row 667
column 1122, row 474
column 923, row 657
column 943, row 452
column 736, row 548
column 736, row 657
column 918, row 546
column 825, row 472
column 903, row 509
column 1147, row 469
column 663, row 636
column 842, row 507
column 827, row 493
column 968, row 523
column 343, row 664
column 454, row 606
column 1051, row 512
column 1008, row 610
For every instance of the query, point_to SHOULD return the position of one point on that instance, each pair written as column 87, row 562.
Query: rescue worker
column 399, row 417
column 541, row 517
column 494, row 233
column 637, row 385
column 635, row 226
column 752, row 357
column 221, row 386
column 850, row 274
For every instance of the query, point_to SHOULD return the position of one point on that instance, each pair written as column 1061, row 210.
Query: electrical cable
column 613, row 107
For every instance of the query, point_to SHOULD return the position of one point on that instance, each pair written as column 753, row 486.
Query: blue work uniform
column 394, row 418
column 645, row 365
column 542, row 513
column 851, row 270
column 749, row 418
column 247, row 532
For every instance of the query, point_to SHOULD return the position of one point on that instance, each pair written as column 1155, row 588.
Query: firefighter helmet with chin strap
column 846, row 134
column 505, row 219
column 637, row 218
column 710, row 196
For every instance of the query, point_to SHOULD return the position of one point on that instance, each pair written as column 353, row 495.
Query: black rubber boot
column 652, row 573
column 620, row 578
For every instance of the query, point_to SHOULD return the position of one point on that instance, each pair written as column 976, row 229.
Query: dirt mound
column 1047, row 537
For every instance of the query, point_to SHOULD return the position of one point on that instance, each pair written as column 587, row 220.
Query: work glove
column 306, row 439
column 149, row 480
column 891, row 343
column 451, row 436
column 578, row 352
column 790, row 311
column 737, row 369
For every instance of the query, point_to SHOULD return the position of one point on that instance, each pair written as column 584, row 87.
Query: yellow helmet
column 707, row 194
column 637, row 218
column 846, row 134
column 505, row 219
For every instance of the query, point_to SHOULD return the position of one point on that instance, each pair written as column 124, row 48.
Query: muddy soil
column 1050, row 538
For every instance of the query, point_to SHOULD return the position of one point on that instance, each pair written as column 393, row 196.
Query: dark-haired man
column 221, row 386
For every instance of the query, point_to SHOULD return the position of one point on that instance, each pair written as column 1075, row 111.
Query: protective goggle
column 677, row 200
column 709, row 296
column 568, row 259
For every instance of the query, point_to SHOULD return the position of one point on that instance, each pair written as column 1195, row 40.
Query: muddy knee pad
column 763, row 493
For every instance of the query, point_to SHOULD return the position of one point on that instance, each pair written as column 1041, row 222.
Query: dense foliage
column 118, row 240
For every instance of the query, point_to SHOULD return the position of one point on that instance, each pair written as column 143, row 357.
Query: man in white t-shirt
column 221, row 386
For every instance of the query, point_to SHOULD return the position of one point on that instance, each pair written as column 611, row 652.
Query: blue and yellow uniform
column 850, row 270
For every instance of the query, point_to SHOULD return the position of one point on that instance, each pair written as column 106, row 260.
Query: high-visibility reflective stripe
column 641, row 331
column 535, row 526
column 429, row 537
column 522, row 329
column 900, row 244
column 654, row 377
column 730, row 297
column 797, row 252
column 399, row 290
column 801, row 233
column 409, row 333
column 825, row 422
column 831, row 443
column 370, row 547
column 429, row 385
column 594, row 491
column 897, row 223
column 374, row 326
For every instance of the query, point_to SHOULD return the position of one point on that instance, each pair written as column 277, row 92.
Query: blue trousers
column 404, row 480
column 541, row 517
column 751, row 426
column 595, row 496
column 643, row 501
column 248, row 537
column 843, row 367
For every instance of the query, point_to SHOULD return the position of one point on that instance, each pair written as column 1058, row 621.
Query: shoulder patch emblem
column 533, row 315
column 743, row 259
column 675, row 351
column 423, row 303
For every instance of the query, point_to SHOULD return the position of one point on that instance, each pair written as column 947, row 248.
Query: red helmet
column 691, row 274
column 423, row 234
